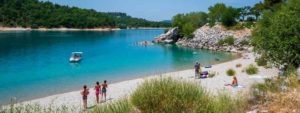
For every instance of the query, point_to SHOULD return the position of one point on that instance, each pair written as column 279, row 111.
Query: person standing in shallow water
column 85, row 92
column 104, row 89
column 97, row 88
column 197, row 69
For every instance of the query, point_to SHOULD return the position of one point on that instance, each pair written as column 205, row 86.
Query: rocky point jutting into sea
column 208, row 37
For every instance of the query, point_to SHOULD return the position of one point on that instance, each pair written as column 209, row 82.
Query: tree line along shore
column 39, row 14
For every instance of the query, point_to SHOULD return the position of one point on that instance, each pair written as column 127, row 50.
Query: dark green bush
column 261, row 61
column 221, row 42
column 243, row 25
column 245, row 42
column 230, row 72
column 228, row 40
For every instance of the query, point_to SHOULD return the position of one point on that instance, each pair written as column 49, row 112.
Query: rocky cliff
column 169, row 37
column 208, row 37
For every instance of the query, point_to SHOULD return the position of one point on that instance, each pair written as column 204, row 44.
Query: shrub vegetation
column 167, row 95
column 238, row 65
column 243, row 25
column 119, row 106
column 228, row 40
column 230, row 72
column 277, row 35
column 245, row 42
column 261, row 61
column 171, row 96
column 251, row 69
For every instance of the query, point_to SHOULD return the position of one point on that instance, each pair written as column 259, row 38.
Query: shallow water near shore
column 35, row 64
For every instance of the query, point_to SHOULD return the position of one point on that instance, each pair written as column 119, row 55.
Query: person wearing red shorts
column 97, row 88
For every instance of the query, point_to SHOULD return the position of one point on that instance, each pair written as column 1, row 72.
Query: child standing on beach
column 85, row 92
column 97, row 88
column 104, row 89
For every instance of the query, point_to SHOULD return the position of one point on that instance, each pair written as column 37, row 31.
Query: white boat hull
column 75, row 59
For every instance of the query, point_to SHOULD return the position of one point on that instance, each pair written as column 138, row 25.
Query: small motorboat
column 76, row 57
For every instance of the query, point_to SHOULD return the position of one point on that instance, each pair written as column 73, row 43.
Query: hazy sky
column 151, row 9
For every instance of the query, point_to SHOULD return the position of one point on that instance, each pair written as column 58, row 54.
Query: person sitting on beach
column 85, row 94
column 104, row 89
column 197, row 69
column 97, row 88
column 234, row 82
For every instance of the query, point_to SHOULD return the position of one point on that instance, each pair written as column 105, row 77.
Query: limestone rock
column 169, row 37
column 208, row 37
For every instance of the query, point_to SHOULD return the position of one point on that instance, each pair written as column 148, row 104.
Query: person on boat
column 234, row 82
column 85, row 92
column 97, row 88
column 197, row 69
column 104, row 89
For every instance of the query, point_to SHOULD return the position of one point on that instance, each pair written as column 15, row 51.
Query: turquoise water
column 35, row 64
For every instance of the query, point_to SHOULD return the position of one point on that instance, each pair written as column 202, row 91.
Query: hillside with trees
column 230, row 17
column 188, row 23
column 36, row 14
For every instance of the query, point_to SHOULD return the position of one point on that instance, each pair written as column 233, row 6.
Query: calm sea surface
column 35, row 64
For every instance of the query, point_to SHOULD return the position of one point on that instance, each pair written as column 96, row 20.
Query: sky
column 155, row 10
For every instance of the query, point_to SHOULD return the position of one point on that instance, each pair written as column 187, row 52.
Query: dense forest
column 230, row 17
column 35, row 14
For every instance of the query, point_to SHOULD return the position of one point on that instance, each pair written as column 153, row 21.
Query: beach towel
column 257, row 77
column 204, row 73
column 203, row 76
column 239, row 86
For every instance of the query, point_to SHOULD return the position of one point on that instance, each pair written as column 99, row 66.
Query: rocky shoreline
column 208, row 38
column 171, row 36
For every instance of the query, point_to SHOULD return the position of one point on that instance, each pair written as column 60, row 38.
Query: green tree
column 257, row 10
column 277, row 35
column 221, row 13
column 216, row 12
column 188, row 30
column 188, row 23
column 269, row 5
column 229, row 16
column 244, row 12
column 273, row 4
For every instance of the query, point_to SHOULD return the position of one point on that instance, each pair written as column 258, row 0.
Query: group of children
column 99, row 89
